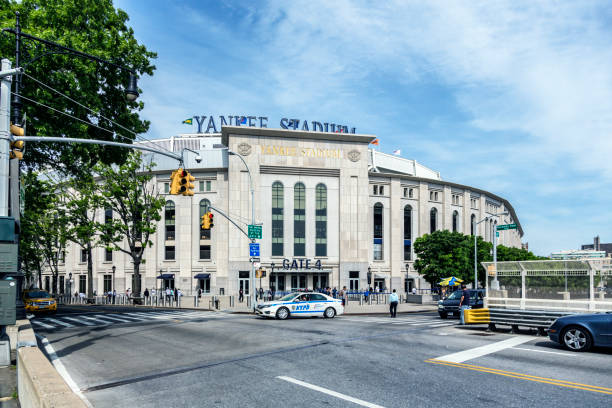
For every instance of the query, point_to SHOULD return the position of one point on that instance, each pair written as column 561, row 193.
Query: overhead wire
column 136, row 135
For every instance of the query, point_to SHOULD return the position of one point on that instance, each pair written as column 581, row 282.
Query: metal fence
column 572, row 285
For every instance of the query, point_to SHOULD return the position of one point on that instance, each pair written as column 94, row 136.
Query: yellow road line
column 552, row 381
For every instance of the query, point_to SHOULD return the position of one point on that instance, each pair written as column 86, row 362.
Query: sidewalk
column 8, row 375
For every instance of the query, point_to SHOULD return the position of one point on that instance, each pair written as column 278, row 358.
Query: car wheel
column 330, row 312
column 576, row 338
column 443, row 315
column 282, row 313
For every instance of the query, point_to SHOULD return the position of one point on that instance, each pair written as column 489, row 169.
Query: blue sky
column 512, row 97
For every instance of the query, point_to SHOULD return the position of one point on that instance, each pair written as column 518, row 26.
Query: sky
column 512, row 97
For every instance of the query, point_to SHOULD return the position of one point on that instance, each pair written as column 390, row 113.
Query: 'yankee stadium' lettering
column 213, row 124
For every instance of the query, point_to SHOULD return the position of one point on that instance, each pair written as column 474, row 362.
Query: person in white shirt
column 414, row 291
column 393, row 301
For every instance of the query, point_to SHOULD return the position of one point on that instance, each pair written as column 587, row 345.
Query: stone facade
column 355, row 180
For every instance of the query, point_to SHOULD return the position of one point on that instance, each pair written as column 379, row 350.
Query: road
column 137, row 357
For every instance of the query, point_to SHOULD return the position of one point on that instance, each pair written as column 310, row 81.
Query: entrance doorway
column 380, row 284
column 243, row 282
column 277, row 282
column 298, row 282
column 319, row 281
column 354, row 281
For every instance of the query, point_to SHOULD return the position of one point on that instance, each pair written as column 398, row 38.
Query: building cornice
column 226, row 131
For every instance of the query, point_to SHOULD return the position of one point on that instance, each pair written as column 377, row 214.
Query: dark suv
column 450, row 304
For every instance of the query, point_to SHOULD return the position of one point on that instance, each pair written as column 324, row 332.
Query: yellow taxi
column 39, row 301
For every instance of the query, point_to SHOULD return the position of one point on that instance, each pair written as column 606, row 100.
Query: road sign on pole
column 254, row 231
column 254, row 249
column 506, row 227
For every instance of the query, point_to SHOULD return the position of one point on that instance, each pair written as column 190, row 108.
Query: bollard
column 360, row 300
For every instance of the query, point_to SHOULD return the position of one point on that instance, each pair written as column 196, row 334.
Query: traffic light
column 186, row 183
column 207, row 221
column 175, row 182
column 17, row 146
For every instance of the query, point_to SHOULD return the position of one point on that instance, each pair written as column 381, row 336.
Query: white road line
column 330, row 392
column 59, row 366
column 542, row 351
column 117, row 319
column 465, row 355
column 153, row 316
column 39, row 323
column 57, row 321
column 86, row 323
column 97, row 320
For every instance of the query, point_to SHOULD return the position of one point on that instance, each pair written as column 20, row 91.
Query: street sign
column 506, row 227
column 253, row 249
column 255, row 231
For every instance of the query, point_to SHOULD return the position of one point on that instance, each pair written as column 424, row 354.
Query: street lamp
column 476, row 248
column 252, row 278
column 70, row 285
column 114, row 268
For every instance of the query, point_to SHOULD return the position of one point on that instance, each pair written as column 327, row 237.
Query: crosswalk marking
column 46, row 326
column 71, row 321
column 58, row 321
column 86, row 323
column 118, row 319
column 425, row 322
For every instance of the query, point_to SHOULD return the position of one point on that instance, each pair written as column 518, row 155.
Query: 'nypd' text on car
column 305, row 304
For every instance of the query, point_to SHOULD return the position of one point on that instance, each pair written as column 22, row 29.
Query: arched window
column 299, row 220
column 169, row 217
column 108, row 215
column 204, row 207
column 278, row 203
column 455, row 221
column 378, row 232
column 407, row 232
column 433, row 221
column 321, row 220
column 108, row 218
column 473, row 228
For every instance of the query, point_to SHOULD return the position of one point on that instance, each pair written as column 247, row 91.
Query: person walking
column 146, row 293
column 464, row 303
column 261, row 293
column 168, row 294
column 240, row 295
column 393, row 301
column 114, row 295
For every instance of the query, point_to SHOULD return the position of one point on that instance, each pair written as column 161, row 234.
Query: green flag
column 188, row 121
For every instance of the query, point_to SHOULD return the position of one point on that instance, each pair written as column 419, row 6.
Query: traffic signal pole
column 5, row 123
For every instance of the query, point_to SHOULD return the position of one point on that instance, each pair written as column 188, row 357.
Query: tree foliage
column 136, row 205
column 444, row 253
column 94, row 27
column 43, row 229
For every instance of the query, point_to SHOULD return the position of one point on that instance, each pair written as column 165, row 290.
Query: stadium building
column 334, row 212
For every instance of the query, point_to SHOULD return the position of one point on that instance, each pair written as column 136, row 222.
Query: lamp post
column 476, row 248
column 252, row 277
column 70, row 285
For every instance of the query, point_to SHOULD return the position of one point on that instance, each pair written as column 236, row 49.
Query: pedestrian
column 146, row 293
column 334, row 292
column 240, row 295
column 366, row 294
column 168, row 294
column 414, row 291
column 153, row 292
column 261, row 293
column 199, row 293
column 127, row 292
column 176, row 294
column 343, row 295
column 393, row 301
column 109, row 296
column 114, row 295
column 464, row 303
column 269, row 295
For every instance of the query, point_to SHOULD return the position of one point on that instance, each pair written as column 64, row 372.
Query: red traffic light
column 210, row 216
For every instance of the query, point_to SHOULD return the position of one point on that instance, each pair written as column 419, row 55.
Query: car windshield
column 288, row 297
column 38, row 294
column 455, row 295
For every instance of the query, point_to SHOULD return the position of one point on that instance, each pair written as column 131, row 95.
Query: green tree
column 94, row 27
column 81, row 203
column 43, row 229
column 136, row 206
column 442, row 254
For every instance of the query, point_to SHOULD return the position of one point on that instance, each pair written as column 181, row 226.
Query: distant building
column 598, row 246
column 578, row 254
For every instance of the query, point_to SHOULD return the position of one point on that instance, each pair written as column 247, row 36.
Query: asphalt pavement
column 120, row 357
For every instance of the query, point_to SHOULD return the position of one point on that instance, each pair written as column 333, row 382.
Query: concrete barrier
column 39, row 385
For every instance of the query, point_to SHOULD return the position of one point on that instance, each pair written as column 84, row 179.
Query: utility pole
column 5, row 106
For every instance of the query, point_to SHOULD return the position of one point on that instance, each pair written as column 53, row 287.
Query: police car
column 304, row 304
